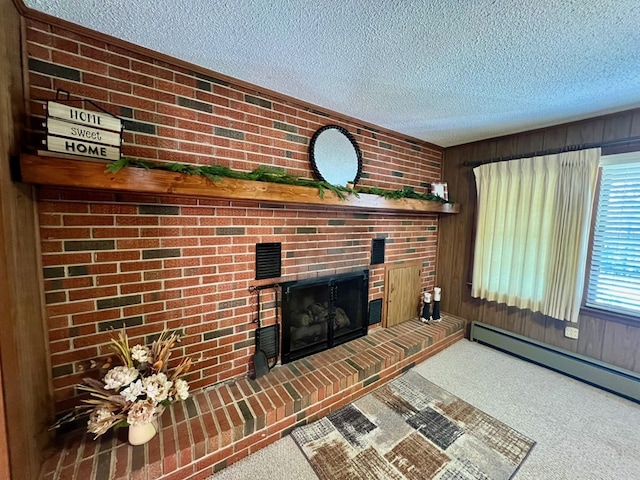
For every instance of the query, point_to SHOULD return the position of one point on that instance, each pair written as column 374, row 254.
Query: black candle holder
column 435, row 316
column 426, row 316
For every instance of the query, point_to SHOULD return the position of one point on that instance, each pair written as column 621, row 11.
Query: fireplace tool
column 267, row 338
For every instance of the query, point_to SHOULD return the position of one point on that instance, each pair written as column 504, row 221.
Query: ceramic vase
column 141, row 434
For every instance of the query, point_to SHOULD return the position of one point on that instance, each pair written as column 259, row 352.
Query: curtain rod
column 552, row 151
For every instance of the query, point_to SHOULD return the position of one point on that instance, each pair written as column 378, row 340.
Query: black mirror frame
column 352, row 140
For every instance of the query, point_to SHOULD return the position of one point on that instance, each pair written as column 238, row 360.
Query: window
column 613, row 283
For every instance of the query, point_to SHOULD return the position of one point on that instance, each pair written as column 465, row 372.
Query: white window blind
column 614, row 279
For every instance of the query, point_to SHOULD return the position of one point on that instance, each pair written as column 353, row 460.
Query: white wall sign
column 81, row 132
column 84, row 117
column 86, row 149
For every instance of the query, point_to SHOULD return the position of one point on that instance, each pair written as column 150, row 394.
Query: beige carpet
column 411, row 429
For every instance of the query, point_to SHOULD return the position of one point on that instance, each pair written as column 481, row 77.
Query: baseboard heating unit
column 608, row 377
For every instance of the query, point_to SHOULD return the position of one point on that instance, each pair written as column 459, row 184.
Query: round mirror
column 335, row 155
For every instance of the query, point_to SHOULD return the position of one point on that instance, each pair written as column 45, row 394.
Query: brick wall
column 152, row 262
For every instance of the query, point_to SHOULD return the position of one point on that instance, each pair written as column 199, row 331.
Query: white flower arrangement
column 138, row 390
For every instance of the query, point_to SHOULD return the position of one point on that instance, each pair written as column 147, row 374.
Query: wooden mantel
column 62, row 172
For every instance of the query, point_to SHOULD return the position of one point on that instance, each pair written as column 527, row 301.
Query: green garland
column 264, row 173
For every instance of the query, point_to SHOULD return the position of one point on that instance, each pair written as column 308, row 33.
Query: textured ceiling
column 445, row 71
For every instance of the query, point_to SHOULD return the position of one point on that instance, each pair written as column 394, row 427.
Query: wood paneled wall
column 612, row 342
column 26, row 402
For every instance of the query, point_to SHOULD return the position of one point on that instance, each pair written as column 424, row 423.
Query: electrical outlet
column 571, row 332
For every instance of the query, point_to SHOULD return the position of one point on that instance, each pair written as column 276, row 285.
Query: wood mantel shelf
column 62, row 172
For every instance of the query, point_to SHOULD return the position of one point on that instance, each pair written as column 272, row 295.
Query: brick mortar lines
column 246, row 442
column 260, row 127
column 384, row 374
column 405, row 145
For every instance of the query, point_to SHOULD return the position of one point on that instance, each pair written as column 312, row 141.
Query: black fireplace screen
column 323, row 312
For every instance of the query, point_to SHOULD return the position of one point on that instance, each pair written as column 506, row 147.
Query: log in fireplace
column 323, row 312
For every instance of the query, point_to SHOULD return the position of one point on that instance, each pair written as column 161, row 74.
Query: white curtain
column 532, row 232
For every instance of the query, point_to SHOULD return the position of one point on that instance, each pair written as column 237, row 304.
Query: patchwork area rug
column 411, row 429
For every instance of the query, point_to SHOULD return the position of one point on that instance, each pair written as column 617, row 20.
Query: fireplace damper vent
column 377, row 251
column 268, row 260
column 375, row 311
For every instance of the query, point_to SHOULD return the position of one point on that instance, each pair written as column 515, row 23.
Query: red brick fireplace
column 155, row 261
column 151, row 261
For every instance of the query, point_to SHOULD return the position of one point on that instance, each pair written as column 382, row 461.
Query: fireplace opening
column 323, row 312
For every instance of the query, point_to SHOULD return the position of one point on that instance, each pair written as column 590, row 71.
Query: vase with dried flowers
column 135, row 392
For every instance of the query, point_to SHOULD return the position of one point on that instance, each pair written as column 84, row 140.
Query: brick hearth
column 220, row 425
